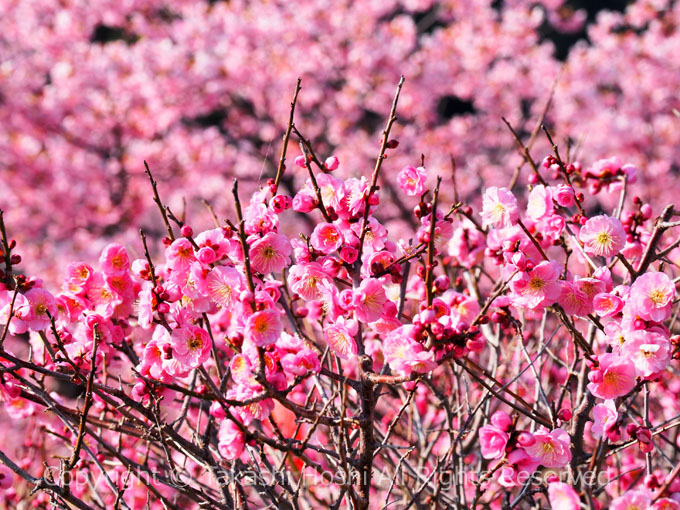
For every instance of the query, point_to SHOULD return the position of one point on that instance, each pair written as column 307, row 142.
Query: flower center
column 604, row 239
column 536, row 284
column 657, row 296
column 195, row 343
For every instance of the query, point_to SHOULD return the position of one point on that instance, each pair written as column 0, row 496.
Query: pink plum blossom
column 411, row 180
column 603, row 236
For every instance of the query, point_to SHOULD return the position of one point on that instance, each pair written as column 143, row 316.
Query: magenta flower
column 327, row 238
column 369, row 299
column 411, row 180
column 264, row 328
column 651, row 296
column 603, row 236
column 615, row 377
column 230, row 440
column 271, row 253
column 499, row 208
column 551, row 449
column 114, row 260
column 605, row 416
column 190, row 346
column 493, row 441
column 538, row 287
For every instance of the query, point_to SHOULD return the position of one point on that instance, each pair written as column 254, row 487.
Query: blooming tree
column 514, row 355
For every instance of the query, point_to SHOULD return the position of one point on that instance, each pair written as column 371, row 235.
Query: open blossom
column 538, row 287
column 223, row 285
column 499, row 208
column 405, row 354
column 632, row 500
column 606, row 304
column 114, row 260
column 603, row 236
column 271, row 253
column 412, row 180
column 180, row 254
column 41, row 304
column 540, row 202
column 614, row 378
column 648, row 350
column 551, row 449
column 264, row 328
column 563, row 497
column 341, row 341
column 305, row 280
column 651, row 296
column 326, row 238
column 493, row 441
column 369, row 300
column 230, row 440
column 604, row 416
column 191, row 345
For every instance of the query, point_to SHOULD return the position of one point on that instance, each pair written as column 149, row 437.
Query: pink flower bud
column 348, row 254
column 187, row 231
column 646, row 211
column 206, row 255
column 526, row 439
column 331, row 163
column 502, row 420
column 564, row 195
column 301, row 162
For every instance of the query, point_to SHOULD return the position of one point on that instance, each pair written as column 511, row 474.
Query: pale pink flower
column 326, row 238
column 264, row 328
column 223, row 285
column 271, row 253
column 651, row 296
column 648, row 350
column 102, row 296
column 573, row 300
column 341, row 341
column 191, row 345
column 411, row 180
column 614, row 378
column 467, row 245
column 404, row 354
column 640, row 499
column 603, row 236
column 493, row 441
column 41, row 304
column 295, row 355
column 230, row 440
column 540, row 202
column 369, row 299
column 538, row 287
column 499, row 208
column 304, row 279
column 551, row 449
column 114, row 260
column 563, row 497
column 605, row 416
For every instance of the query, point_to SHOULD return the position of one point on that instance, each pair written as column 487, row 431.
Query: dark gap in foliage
column 428, row 21
column 564, row 41
column 104, row 34
column 450, row 106
column 370, row 121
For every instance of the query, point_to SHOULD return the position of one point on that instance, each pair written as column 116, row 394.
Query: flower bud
column 187, row 231
column 331, row 163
